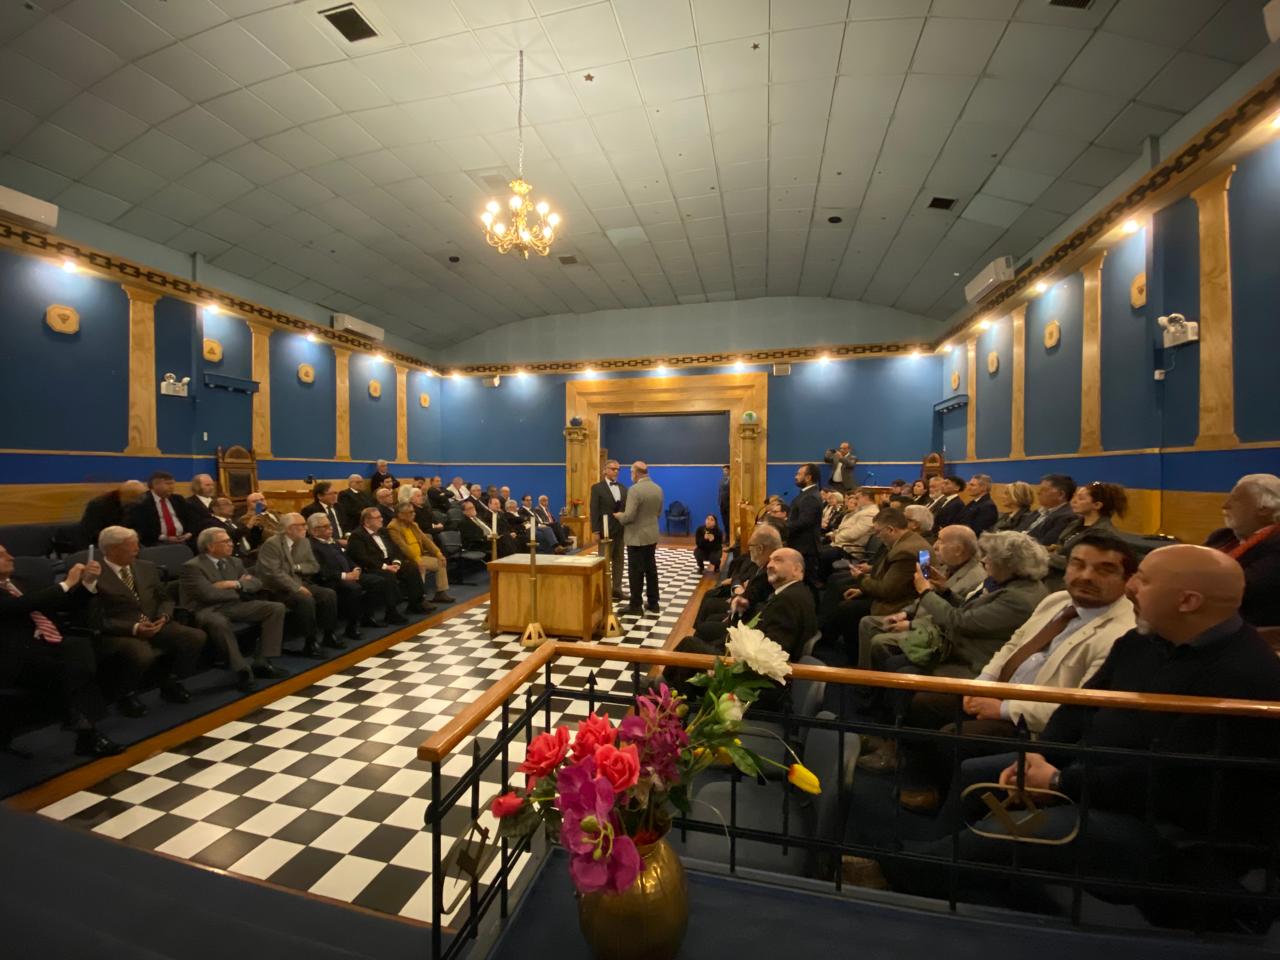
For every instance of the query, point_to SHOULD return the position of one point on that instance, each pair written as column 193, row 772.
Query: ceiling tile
column 190, row 75
column 669, row 76
column 1098, row 166
column 981, row 9
column 623, row 131
column 1036, row 50
column 70, row 53
column 729, row 19
column 654, row 26
column 148, row 224
column 247, row 114
column 1023, row 186
column 742, row 143
column 27, row 85
column 31, row 178
column 1185, row 81
column 291, row 96
column 296, row 36
column 1115, row 65
column 496, row 11
column 548, row 99
column 118, row 27
column 418, row 20
column 160, row 153
column 298, row 149
column 1065, row 196
column 180, row 19
column 99, row 122
column 237, row 53
column 787, row 16
column 92, row 203
column 956, row 46
column 680, row 120
column 1005, row 100
column 585, row 36
column 342, row 135
column 346, row 86
column 879, row 46
column 1232, row 34
column 1087, row 18
column 993, row 210
column 732, row 64
column 217, row 182
column 1168, row 22
column 1135, row 123
column 202, row 131
column 804, row 102
column 1043, row 152
column 804, row 54
column 1080, row 114
column 55, row 149
column 744, row 176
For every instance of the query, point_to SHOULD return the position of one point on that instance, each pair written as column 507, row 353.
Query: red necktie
column 169, row 529
column 45, row 628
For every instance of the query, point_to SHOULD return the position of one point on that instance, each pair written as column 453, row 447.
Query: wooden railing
column 440, row 744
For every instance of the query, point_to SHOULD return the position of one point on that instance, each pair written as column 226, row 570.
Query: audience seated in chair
column 475, row 532
column 1094, row 505
column 110, row 509
column 373, row 551
column 200, row 503
column 1189, row 640
column 381, row 478
column 37, row 654
column 708, row 545
column 849, row 539
column 457, row 491
column 218, row 592
column 223, row 517
column 437, row 498
column 352, row 501
column 133, row 613
column 919, row 520
column 1252, row 538
column 743, row 594
column 1022, row 512
column 546, row 518
column 259, row 521
column 287, row 568
column 937, row 487
column 1054, row 514
column 980, row 513
column 326, row 502
column 384, row 498
column 421, row 552
column 161, row 515
column 832, row 510
column 951, row 508
column 359, row 591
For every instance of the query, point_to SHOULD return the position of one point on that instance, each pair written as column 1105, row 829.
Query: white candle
column 493, row 517
column 533, row 526
column 605, row 519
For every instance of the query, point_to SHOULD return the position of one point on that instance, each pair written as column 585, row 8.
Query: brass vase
column 648, row 919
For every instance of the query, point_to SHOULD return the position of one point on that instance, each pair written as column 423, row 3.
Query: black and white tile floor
column 322, row 791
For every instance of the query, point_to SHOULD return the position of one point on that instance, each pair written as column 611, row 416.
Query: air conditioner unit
column 350, row 324
column 493, row 381
column 28, row 211
column 994, row 274
column 782, row 369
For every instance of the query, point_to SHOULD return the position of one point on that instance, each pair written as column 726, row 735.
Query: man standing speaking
column 639, row 519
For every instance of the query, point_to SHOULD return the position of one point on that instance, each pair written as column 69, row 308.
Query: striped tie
column 126, row 577
column 45, row 628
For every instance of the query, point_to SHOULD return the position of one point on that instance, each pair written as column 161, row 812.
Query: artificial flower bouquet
column 606, row 790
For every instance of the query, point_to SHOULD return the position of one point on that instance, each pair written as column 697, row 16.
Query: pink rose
column 620, row 767
column 545, row 753
column 506, row 804
column 593, row 732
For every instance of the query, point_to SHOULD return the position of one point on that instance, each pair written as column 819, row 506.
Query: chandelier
column 531, row 226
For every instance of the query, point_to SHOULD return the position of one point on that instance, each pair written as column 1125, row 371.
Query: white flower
column 758, row 652
column 729, row 710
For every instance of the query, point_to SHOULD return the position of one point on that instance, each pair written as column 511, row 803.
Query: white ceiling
column 694, row 166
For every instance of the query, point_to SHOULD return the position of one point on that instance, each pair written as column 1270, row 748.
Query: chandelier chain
column 520, row 120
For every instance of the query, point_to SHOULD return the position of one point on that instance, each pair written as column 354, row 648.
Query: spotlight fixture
column 312, row 338
column 70, row 266
column 984, row 324
column 588, row 372
column 738, row 366
column 430, row 372
column 455, row 375
column 1040, row 287
column 915, row 354
column 1130, row 226
column 660, row 369
column 212, row 308
column 380, row 357
column 521, row 373
column 824, row 359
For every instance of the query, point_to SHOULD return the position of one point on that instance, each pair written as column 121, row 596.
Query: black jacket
column 99, row 513
column 601, row 502
column 789, row 619
column 1048, row 530
column 16, row 625
column 364, row 553
column 950, row 514
column 333, row 563
column 1261, row 563
column 980, row 515
column 804, row 523
column 708, row 541
column 144, row 519
column 350, row 503
column 438, row 499
column 1230, row 660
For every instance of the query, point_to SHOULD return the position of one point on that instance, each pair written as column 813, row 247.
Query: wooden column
column 1217, row 358
column 261, row 399
column 342, row 391
column 579, row 473
column 1017, row 439
column 971, row 411
column 1091, row 358
column 142, row 372
column 402, row 414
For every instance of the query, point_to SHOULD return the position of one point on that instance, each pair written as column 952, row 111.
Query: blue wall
column 1052, row 383
column 302, row 414
column 424, row 423
column 995, row 391
column 373, row 419
column 1130, row 393
column 178, row 352
column 695, row 438
column 226, row 415
column 1173, row 286
column 1255, row 287
column 519, row 421
column 62, row 392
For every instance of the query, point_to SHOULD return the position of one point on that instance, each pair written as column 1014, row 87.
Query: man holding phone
column 259, row 521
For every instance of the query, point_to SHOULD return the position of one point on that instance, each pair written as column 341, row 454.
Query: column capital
column 1215, row 186
column 140, row 294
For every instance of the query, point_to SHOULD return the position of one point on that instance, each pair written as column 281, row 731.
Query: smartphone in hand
column 924, row 557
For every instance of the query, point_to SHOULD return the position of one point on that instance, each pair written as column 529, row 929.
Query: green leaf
column 679, row 796
column 744, row 760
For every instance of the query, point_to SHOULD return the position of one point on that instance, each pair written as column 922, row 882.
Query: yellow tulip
column 799, row 776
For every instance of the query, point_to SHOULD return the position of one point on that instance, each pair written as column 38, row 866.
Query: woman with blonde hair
column 1022, row 497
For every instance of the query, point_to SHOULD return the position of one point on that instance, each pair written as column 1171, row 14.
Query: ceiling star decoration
column 588, row 77
column 531, row 226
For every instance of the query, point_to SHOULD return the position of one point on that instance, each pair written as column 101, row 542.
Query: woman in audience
column 920, row 493
column 708, row 542
column 1022, row 512
column 919, row 520
column 1094, row 505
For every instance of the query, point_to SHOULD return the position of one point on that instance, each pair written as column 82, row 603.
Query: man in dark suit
column 436, row 497
column 259, row 521
column 384, row 499
column 216, row 589
column 351, row 501
column 326, row 502
column 1056, row 491
column 135, row 615
column 481, row 500
column 747, row 589
column 475, row 532
column 952, row 507
column 110, row 509
column 1252, row 538
column 35, row 652
column 549, row 520
column 358, row 591
column 722, row 500
column 608, row 497
column 161, row 515
column 804, row 519
column 980, row 513
column 381, row 474
column 370, row 549
column 200, row 503
column 223, row 517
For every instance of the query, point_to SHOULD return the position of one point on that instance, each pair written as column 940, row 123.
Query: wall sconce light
column 1130, row 227
column 1040, row 287
column 70, row 266
column 171, row 386
column 984, row 324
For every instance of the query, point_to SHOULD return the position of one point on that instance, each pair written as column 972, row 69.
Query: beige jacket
column 1075, row 660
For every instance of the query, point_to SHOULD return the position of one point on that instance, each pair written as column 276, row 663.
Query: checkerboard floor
column 322, row 791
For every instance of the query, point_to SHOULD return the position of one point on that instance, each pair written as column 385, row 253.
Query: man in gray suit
column 215, row 588
column 286, row 566
column 639, row 519
column 842, row 459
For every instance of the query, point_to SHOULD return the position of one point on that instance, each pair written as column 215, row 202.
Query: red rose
column 593, row 732
column 506, row 804
column 545, row 753
column 620, row 767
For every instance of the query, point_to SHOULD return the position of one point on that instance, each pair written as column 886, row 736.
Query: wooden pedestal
column 572, row 599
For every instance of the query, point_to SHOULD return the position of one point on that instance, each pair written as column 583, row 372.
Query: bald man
column 639, row 518
column 1189, row 641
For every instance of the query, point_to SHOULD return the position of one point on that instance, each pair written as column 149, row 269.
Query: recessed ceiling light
column 984, row 324
column 212, row 308
column 915, row 354
column 835, row 219
column 824, row 359
column 738, row 366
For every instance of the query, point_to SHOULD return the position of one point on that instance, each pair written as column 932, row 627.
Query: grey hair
column 1265, row 488
column 1016, row 554
column 291, row 518
column 405, row 493
column 983, row 478
column 921, row 514
column 355, row 476
column 511, row 503
column 1020, row 493
column 316, row 519
column 111, row 536
column 766, row 534
column 204, row 539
